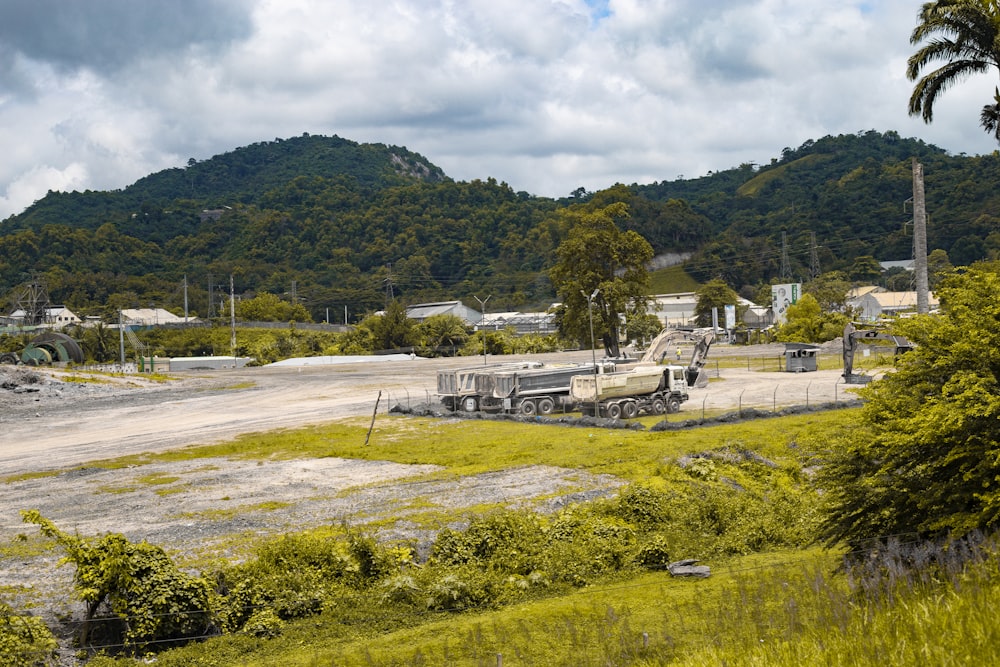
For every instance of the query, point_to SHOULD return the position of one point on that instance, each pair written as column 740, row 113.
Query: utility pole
column 121, row 339
column 185, row 298
column 211, row 297
column 388, row 286
column 232, row 317
column 920, row 239
column 593, row 344
column 482, row 322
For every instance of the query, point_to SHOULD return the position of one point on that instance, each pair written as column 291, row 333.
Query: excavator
column 854, row 337
column 668, row 339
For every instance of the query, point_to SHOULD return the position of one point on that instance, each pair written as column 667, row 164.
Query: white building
column 54, row 316
column 149, row 317
column 876, row 305
column 674, row 310
column 421, row 311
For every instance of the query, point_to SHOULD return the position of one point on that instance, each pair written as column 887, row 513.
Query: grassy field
column 771, row 604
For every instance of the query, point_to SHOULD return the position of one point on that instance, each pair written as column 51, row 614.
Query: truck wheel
column 614, row 411
column 630, row 410
column 546, row 406
column 673, row 405
column 527, row 408
column 658, row 406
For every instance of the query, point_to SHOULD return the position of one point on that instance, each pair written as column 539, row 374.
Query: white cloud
column 547, row 96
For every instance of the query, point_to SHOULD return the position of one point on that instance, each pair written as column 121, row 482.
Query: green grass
column 223, row 514
column 752, row 187
column 671, row 280
column 466, row 447
column 789, row 607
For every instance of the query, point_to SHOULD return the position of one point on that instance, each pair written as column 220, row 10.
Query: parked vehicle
column 457, row 388
column 532, row 391
column 623, row 395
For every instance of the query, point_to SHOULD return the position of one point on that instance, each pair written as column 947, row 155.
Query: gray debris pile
column 21, row 380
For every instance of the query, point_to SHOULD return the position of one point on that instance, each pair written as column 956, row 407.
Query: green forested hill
column 852, row 192
column 343, row 224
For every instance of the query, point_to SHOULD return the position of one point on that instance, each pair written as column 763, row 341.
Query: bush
column 508, row 540
column 150, row 598
column 24, row 640
column 642, row 506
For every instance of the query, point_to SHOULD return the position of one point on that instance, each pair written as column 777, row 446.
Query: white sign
column 730, row 317
column 782, row 296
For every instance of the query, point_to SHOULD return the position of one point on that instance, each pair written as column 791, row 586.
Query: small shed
column 800, row 357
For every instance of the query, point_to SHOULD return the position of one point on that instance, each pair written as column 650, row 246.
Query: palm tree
column 990, row 117
column 965, row 36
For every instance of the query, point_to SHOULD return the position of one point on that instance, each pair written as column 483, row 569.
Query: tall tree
column 600, row 263
column 926, row 456
column 808, row 323
column 715, row 294
column 964, row 35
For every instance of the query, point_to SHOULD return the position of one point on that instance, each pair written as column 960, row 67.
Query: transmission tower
column 813, row 257
column 33, row 301
column 786, row 270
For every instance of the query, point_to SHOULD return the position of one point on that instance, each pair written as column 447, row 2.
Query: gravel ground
column 50, row 423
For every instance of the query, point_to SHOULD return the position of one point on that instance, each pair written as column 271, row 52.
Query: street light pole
column 593, row 345
column 482, row 322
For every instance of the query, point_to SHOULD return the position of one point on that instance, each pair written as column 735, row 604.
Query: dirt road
column 80, row 422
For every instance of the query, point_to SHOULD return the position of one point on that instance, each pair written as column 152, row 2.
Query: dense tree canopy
column 807, row 323
column 600, row 272
column 267, row 307
column 343, row 221
column 927, row 458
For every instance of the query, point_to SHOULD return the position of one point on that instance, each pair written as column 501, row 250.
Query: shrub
column 24, row 640
column 642, row 506
column 150, row 598
column 508, row 540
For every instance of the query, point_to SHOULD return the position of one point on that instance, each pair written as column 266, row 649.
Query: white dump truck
column 457, row 388
column 532, row 390
column 624, row 394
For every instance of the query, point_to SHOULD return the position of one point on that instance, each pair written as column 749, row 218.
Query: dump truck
column 533, row 390
column 457, row 388
column 624, row 394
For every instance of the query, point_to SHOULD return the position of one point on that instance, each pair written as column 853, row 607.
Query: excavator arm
column 853, row 337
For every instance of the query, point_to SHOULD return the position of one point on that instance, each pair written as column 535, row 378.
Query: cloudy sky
column 546, row 95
